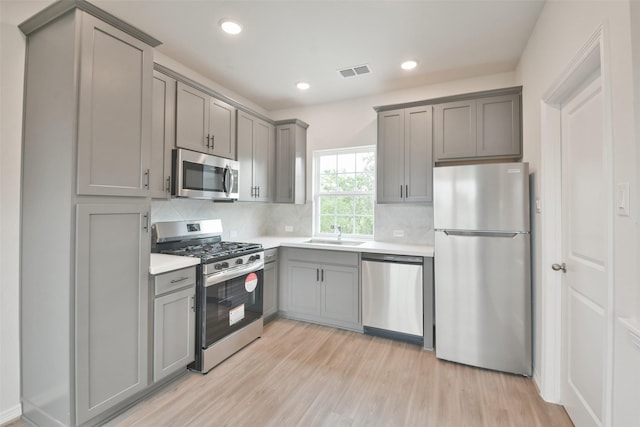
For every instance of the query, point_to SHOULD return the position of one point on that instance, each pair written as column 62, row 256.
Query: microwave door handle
column 228, row 180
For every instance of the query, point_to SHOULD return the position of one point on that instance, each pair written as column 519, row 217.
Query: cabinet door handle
column 406, row 191
column 169, row 184
column 317, row 274
column 207, row 140
column 146, row 179
column 145, row 222
column 258, row 190
column 193, row 303
column 322, row 275
column 401, row 191
column 213, row 142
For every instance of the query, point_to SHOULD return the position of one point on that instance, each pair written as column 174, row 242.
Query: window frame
column 317, row 154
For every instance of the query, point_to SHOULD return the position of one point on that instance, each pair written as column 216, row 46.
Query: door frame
column 592, row 58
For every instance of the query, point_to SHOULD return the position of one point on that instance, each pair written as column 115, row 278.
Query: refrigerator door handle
column 482, row 233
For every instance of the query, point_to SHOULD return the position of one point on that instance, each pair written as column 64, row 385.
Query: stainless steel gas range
column 229, row 286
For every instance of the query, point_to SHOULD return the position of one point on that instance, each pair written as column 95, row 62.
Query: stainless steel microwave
column 203, row 176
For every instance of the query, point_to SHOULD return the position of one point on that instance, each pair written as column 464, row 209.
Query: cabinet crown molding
column 473, row 95
column 61, row 7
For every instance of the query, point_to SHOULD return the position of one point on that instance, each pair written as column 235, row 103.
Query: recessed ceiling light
column 409, row 65
column 303, row 85
column 230, row 27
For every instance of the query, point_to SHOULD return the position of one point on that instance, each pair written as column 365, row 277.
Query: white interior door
column 584, row 249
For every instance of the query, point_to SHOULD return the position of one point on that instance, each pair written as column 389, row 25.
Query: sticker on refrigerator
column 236, row 314
column 250, row 282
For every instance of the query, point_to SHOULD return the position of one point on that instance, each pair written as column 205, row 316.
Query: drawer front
column 173, row 280
column 270, row 255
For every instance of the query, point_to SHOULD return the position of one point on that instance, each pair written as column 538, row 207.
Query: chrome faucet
column 339, row 228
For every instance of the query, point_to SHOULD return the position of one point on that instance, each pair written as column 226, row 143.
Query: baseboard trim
column 10, row 415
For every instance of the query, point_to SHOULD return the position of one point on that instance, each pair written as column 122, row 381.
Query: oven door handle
column 216, row 278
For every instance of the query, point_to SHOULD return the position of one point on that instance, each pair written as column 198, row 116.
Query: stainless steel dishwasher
column 392, row 296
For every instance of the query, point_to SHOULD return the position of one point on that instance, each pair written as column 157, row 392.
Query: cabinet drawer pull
column 179, row 280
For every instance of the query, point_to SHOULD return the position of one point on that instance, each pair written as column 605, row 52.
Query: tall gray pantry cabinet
column 85, row 214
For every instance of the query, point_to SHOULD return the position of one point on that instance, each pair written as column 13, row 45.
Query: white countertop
column 161, row 263
column 368, row 246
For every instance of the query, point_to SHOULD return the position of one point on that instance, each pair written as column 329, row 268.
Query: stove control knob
column 239, row 261
column 218, row 266
column 224, row 265
column 254, row 258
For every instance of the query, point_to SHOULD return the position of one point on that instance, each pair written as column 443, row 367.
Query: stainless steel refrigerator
column 482, row 266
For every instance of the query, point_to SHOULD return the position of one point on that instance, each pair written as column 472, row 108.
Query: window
column 343, row 191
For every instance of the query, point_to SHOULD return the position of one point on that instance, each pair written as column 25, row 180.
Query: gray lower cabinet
column 291, row 157
column 256, row 154
column 405, row 159
column 163, row 135
column 204, row 123
column 111, row 305
column 85, row 207
column 321, row 287
column 174, row 321
column 270, row 288
column 487, row 127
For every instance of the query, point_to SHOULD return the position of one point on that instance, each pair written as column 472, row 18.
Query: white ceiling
column 284, row 42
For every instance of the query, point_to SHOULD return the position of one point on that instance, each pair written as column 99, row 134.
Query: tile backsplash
column 243, row 220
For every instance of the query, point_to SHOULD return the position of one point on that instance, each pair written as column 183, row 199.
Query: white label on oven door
column 236, row 314
column 251, row 282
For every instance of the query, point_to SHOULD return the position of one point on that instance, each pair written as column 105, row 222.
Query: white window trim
column 316, row 182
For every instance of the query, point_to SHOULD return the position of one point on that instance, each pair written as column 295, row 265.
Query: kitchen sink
column 334, row 242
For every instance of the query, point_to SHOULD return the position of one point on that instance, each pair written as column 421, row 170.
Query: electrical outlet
column 398, row 233
column 233, row 234
column 288, row 228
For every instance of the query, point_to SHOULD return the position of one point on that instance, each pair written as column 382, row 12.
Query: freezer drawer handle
column 480, row 233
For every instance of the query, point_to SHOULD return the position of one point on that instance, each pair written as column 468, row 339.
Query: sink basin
column 334, row 242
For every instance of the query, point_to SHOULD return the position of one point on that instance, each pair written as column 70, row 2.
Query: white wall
column 562, row 29
column 12, row 51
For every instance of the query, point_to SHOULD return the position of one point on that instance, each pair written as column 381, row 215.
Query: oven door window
column 230, row 306
column 202, row 177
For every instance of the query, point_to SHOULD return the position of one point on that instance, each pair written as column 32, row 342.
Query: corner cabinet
column 405, row 159
column 257, row 157
column 84, row 214
column 163, row 135
column 481, row 128
column 321, row 287
column 204, row 123
column 291, row 157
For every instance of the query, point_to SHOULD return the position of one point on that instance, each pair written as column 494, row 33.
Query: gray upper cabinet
column 455, row 130
column 86, row 153
column 291, row 156
column 205, row 123
column 487, row 127
column 111, row 305
column 115, row 84
column 321, row 287
column 163, row 133
column 256, row 154
column 405, row 159
column 498, row 126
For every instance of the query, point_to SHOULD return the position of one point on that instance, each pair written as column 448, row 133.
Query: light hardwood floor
column 300, row 374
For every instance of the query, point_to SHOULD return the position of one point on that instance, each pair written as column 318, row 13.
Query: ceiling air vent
column 354, row 71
